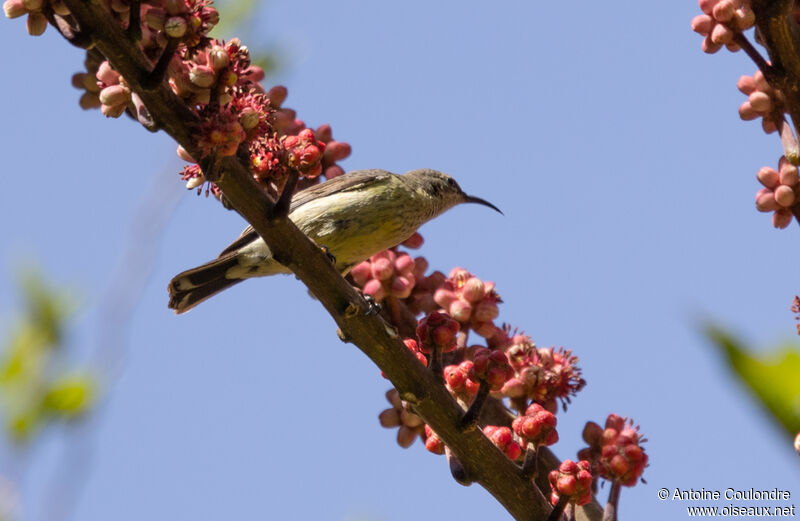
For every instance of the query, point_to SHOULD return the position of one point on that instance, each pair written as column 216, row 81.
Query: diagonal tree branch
column 482, row 461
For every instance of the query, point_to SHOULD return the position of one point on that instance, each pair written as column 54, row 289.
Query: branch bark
column 483, row 462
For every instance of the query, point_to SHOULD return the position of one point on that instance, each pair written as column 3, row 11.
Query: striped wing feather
column 343, row 183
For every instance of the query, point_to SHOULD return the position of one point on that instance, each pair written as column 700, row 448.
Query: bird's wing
column 343, row 183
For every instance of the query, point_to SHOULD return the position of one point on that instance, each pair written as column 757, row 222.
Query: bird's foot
column 331, row 256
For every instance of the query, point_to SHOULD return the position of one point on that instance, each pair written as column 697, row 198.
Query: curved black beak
column 484, row 202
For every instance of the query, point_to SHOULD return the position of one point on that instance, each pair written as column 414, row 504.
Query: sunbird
column 353, row 216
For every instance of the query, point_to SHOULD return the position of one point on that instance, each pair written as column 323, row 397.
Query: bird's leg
column 327, row 252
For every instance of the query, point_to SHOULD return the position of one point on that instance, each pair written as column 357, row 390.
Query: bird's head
column 442, row 189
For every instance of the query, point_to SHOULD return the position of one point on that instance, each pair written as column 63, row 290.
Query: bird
column 353, row 216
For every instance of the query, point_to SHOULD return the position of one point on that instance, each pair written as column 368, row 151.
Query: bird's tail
column 190, row 288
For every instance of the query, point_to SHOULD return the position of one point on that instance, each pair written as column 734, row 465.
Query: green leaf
column 69, row 396
column 773, row 377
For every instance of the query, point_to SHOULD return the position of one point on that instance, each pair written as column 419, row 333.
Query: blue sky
column 610, row 141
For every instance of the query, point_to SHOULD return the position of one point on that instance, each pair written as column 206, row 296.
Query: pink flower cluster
column 573, row 481
column 781, row 191
column 615, row 452
column 720, row 21
column 36, row 21
column 471, row 301
column 536, row 426
column 509, row 365
column 216, row 80
column 762, row 101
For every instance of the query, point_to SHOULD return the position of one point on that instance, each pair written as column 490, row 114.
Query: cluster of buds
column 437, row 332
column 114, row 93
column 615, row 452
column 762, row 101
column 37, row 21
column 398, row 415
column 780, row 192
column 386, row 274
column 503, row 439
column 572, row 481
column 720, row 21
column 217, row 81
column 543, row 375
column 459, row 383
column 214, row 73
column 186, row 20
column 471, row 301
column 537, row 426
column 490, row 366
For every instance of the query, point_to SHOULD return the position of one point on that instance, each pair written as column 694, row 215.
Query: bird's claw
column 328, row 254
column 373, row 307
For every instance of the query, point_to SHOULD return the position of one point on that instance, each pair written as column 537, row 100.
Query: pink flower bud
column 746, row 85
column 202, row 76
column 249, row 118
column 361, row 272
column 333, row 171
column 410, row 419
column 14, row 8
column 406, row 436
column 155, row 18
column 337, row 150
column 60, row 8
column 768, row 126
column 89, row 100
column 106, row 74
column 747, row 112
column 768, row 177
column 218, row 58
column 401, row 287
column 460, row 310
column 375, row 288
column 513, row 388
column 175, row 26
column 724, row 11
column 765, row 200
column 721, row 35
column 761, row 81
column 485, row 329
column 707, row 6
column 473, row 290
column 389, row 418
column 486, row 311
column 113, row 111
column 760, row 101
column 788, row 174
column 745, row 18
column 393, row 397
column 114, row 95
column 277, row 95
column 404, row 264
column 414, row 242
column 784, row 195
column 702, row 24
column 36, row 23
column 709, row 47
column 444, row 297
column 382, row 269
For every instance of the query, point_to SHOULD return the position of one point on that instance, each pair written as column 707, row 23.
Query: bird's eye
column 451, row 182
